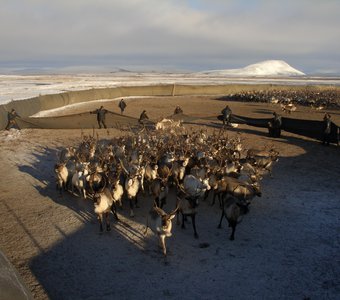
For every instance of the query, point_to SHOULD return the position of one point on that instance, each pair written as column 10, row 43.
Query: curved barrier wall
column 28, row 107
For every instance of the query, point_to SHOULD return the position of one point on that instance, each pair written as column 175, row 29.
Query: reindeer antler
column 158, row 210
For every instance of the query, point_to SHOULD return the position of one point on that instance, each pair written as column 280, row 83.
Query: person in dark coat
column 122, row 105
column 226, row 112
column 11, row 120
column 100, row 112
column 143, row 116
column 178, row 110
column 274, row 126
column 326, row 129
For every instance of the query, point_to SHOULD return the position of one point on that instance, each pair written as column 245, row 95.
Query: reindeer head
column 166, row 220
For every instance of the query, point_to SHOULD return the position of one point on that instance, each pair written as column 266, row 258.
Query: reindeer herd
column 194, row 165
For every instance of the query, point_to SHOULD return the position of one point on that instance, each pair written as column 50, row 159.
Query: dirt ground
column 287, row 247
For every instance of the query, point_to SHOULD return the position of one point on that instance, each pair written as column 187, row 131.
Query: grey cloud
column 178, row 32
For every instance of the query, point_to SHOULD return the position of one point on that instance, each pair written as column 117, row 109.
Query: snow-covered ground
column 16, row 87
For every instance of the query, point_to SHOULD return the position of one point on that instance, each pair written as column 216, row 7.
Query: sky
column 169, row 35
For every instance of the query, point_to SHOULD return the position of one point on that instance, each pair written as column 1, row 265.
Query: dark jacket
column 100, row 113
column 143, row 116
column 327, row 126
column 277, row 122
column 178, row 110
column 226, row 112
column 12, row 115
column 122, row 104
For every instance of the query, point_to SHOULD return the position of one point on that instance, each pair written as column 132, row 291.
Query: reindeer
column 167, row 124
column 242, row 190
column 187, row 206
column 187, row 198
column 151, row 172
column 194, row 186
column 66, row 154
column 288, row 108
column 61, row 174
column 133, row 183
column 79, row 180
column 252, row 153
column 161, row 224
column 178, row 171
column 266, row 164
column 116, row 188
column 159, row 189
column 104, row 204
column 233, row 210
column 132, row 186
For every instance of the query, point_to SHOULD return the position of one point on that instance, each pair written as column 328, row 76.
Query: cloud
column 180, row 32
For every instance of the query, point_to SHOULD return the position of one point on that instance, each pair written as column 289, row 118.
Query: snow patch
column 265, row 68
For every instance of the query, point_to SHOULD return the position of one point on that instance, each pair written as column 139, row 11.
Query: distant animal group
column 194, row 164
column 315, row 98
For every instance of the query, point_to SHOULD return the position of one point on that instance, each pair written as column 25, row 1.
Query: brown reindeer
column 161, row 224
column 233, row 210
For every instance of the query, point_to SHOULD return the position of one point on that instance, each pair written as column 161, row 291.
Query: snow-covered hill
column 265, row 68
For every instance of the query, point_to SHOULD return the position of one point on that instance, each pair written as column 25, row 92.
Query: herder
column 101, row 112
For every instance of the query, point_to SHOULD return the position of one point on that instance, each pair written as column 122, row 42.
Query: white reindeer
column 167, row 124
column 79, row 180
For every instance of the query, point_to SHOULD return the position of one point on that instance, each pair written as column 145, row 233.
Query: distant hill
column 265, row 68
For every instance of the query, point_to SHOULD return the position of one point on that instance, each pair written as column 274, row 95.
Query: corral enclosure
column 32, row 106
column 286, row 247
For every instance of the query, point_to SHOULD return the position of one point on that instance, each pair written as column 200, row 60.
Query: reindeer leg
column 221, row 200
column 163, row 202
column 157, row 202
column 177, row 217
column 233, row 227
column 214, row 198
column 107, row 218
column 162, row 243
column 136, row 202
column 146, row 227
column 100, row 220
column 131, row 208
column 220, row 224
column 58, row 188
column 183, row 217
column 80, row 191
column 114, row 211
column 206, row 194
column 193, row 218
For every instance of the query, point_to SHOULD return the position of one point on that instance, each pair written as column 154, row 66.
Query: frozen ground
column 287, row 247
